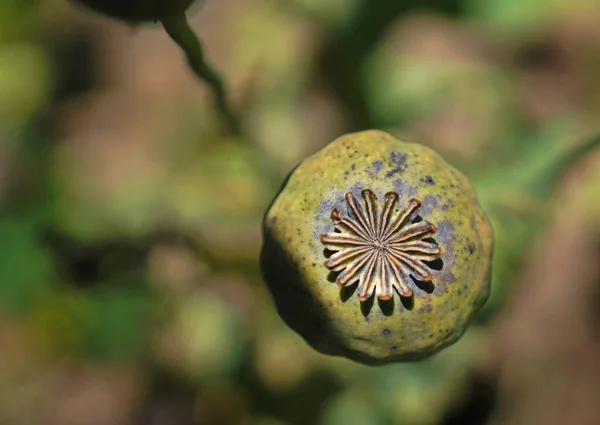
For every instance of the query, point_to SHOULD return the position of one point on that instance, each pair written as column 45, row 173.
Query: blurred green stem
column 546, row 180
column 530, row 185
column 179, row 30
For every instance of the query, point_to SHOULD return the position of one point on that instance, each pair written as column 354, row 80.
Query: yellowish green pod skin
column 332, row 318
column 138, row 10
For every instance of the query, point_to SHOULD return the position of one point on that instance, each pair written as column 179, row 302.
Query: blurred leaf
column 459, row 103
column 221, row 184
column 352, row 407
column 25, row 81
column 420, row 393
column 521, row 18
column 510, row 13
column 589, row 199
column 13, row 15
column 208, row 336
column 517, row 199
column 114, row 325
column 266, row 420
column 330, row 13
column 26, row 269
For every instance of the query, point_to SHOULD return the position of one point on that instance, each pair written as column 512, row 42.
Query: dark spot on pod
column 353, row 167
column 428, row 180
column 394, row 347
column 385, row 331
column 395, row 171
column 471, row 248
column 274, row 220
column 399, row 160
column 377, row 165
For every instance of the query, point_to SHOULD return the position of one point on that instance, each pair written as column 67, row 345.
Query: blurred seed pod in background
column 138, row 10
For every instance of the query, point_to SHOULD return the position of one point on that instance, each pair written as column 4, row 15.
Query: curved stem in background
column 548, row 178
column 179, row 30
column 538, row 186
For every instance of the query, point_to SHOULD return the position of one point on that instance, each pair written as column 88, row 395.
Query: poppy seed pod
column 138, row 10
column 377, row 250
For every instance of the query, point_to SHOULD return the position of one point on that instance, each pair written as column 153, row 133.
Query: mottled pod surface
column 377, row 250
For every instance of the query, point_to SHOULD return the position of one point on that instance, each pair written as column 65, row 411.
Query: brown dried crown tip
column 381, row 248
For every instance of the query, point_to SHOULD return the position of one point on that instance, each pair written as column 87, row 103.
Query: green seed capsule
column 377, row 250
column 138, row 10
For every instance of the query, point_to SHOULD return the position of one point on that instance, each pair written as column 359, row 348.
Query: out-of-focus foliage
column 26, row 268
column 24, row 81
column 129, row 224
column 439, row 80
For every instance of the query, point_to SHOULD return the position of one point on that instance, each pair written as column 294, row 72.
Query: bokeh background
column 130, row 224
